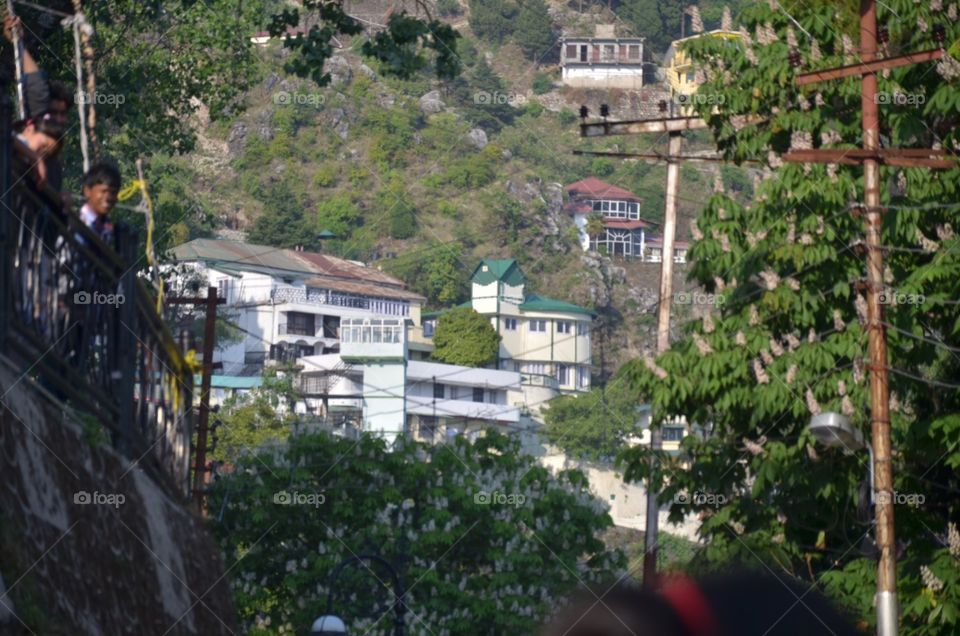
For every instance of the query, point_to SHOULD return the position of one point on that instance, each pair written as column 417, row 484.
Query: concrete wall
column 622, row 77
column 136, row 563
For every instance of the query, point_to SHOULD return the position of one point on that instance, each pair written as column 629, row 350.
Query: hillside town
column 554, row 317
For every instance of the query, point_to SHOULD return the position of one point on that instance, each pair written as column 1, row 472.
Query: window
column 564, row 326
column 438, row 390
column 510, row 324
column 672, row 433
column 634, row 211
column 563, row 374
column 478, row 394
column 608, row 54
column 300, row 324
column 428, row 327
column 634, row 52
column 224, row 287
column 538, row 325
column 534, row 368
column 583, row 377
column 583, row 329
column 428, row 427
column 571, row 52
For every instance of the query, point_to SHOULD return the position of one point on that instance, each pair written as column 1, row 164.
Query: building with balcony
column 285, row 303
column 608, row 219
column 546, row 341
column 681, row 75
column 372, row 385
column 603, row 61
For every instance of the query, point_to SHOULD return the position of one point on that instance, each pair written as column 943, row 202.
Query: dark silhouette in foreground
column 741, row 604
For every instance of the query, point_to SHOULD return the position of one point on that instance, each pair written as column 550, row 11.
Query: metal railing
column 75, row 316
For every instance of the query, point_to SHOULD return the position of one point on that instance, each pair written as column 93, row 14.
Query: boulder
column 478, row 138
column 431, row 103
column 339, row 70
column 237, row 140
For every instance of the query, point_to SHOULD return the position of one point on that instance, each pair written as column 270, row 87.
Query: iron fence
column 75, row 317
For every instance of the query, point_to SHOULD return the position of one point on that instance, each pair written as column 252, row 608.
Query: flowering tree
column 789, row 341
column 480, row 534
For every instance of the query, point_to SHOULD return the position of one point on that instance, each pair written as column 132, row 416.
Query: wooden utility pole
column 871, row 156
column 674, row 127
column 879, row 382
column 200, row 470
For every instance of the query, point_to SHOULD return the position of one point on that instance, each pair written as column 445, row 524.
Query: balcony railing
column 75, row 317
column 536, row 379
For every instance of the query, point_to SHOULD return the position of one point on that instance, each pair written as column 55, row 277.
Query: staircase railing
column 75, row 317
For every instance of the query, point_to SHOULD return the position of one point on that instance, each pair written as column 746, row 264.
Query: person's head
column 100, row 187
column 732, row 604
column 60, row 100
column 43, row 135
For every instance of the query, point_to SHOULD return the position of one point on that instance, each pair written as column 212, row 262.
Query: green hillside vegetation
column 425, row 192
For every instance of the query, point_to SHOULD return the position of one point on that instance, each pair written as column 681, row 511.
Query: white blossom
column 702, row 345
column 930, row 580
column 812, row 404
column 760, row 373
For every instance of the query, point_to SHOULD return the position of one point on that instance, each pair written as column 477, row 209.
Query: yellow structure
column 679, row 71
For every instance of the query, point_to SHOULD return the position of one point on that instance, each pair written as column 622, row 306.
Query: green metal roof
column 232, row 381
column 542, row 303
column 493, row 269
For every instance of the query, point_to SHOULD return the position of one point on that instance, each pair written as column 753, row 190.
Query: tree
column 339, row 214
column 262, row 418
column 789, row 338
column 437, row 272
column 400, row 210
column 481, row 534
column 594, row 426
column 533, row 30
column 465, row 337
column 491, row 19
column 595, row 226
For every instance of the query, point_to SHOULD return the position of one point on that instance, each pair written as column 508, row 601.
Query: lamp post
column 330, row 624
column 834, row 430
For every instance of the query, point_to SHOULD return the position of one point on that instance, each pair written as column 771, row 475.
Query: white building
column 373, row 385
column 621, row 231
column 286, row 303
column 602, row 61
column 546, row 340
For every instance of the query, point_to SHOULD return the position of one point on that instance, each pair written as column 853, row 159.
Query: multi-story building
column 546, row 340
column 602, row 61
column 372, row 384
column 621, row 231
column 288, row 303
column 681, row 74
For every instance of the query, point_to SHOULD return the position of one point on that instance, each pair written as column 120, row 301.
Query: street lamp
column 330, row 624
column 834, row 430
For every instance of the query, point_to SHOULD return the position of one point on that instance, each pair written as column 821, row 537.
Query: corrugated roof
column 239, row 256
column 625, row 225
column 594, row 188
column 542, row 303
column 365, row 289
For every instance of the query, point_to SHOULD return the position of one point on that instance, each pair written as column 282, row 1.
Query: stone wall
column 89, row 544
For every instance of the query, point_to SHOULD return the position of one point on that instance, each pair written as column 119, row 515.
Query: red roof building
column 625, row 233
